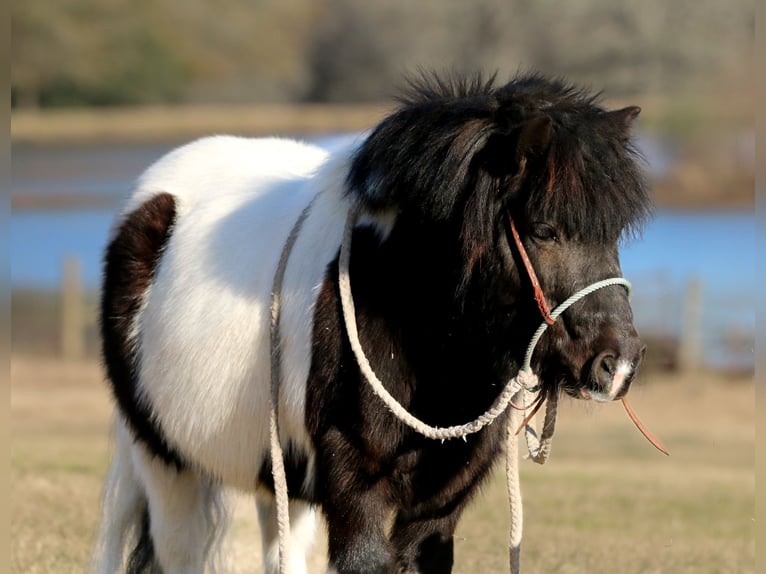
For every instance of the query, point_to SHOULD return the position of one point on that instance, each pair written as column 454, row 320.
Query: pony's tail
column 124, row 543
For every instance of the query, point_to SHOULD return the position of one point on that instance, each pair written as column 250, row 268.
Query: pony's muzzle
column 612, row 372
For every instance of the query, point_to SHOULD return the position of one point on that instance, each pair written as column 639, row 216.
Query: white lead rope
column 516, row 390
column 277, row 458
column 349, row 317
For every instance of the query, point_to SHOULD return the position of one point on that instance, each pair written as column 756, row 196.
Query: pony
column 443, row 304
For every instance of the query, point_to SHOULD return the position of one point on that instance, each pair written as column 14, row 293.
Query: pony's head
column 476, row 159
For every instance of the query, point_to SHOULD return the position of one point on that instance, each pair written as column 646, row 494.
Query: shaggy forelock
column 591, row 186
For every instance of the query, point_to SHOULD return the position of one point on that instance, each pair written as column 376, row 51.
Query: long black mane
column 450, row 153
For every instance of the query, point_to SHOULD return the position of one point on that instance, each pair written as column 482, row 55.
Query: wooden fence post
column 690, row 344
column 72, row 311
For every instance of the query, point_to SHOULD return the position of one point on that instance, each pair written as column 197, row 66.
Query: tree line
column 116, row 52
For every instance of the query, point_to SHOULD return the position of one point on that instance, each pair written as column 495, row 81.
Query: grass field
column 606, row 502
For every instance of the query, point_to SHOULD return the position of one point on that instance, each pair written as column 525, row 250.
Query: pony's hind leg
column 302, row 530
column 185, row 516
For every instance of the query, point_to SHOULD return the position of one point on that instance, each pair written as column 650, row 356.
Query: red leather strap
column 542, row 304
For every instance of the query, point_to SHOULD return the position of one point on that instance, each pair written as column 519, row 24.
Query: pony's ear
column 534, row 137
column 624, row 118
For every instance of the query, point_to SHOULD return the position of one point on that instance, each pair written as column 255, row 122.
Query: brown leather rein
column 542, row 304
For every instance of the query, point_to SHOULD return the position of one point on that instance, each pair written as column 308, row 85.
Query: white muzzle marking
column 624, row 369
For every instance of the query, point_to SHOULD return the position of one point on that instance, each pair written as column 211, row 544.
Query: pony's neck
column 409, row 313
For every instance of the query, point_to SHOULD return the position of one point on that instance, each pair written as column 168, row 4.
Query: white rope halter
column 517, row 390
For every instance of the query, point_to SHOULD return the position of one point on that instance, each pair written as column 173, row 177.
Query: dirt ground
column 606, row 502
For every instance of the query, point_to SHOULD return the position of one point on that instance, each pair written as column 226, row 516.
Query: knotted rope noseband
column 516, row 391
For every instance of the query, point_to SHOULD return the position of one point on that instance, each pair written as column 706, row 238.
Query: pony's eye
column 544, row 232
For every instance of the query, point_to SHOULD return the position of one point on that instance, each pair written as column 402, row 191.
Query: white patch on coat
column 382, row 221
column 213, row 166
column 204, row 327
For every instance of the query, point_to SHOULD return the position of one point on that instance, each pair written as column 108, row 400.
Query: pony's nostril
column 608, row 365
column 603, row 372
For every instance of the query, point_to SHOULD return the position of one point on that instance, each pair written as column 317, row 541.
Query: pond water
column 715, row 248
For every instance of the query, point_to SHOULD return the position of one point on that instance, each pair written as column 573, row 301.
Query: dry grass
column 606, row 502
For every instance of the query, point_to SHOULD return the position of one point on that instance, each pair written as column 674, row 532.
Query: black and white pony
column 444, row 308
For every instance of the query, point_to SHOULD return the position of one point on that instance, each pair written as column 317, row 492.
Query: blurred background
column 102, row 88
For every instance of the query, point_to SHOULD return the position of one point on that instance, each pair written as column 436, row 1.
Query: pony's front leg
column 302, row 529
column 356, row 511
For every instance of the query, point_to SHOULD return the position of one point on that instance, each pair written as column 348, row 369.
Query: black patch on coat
column 443, row 313
column 443, row 368
column 129, row 267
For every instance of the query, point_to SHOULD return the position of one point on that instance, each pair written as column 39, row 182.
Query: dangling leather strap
column 542, row 304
